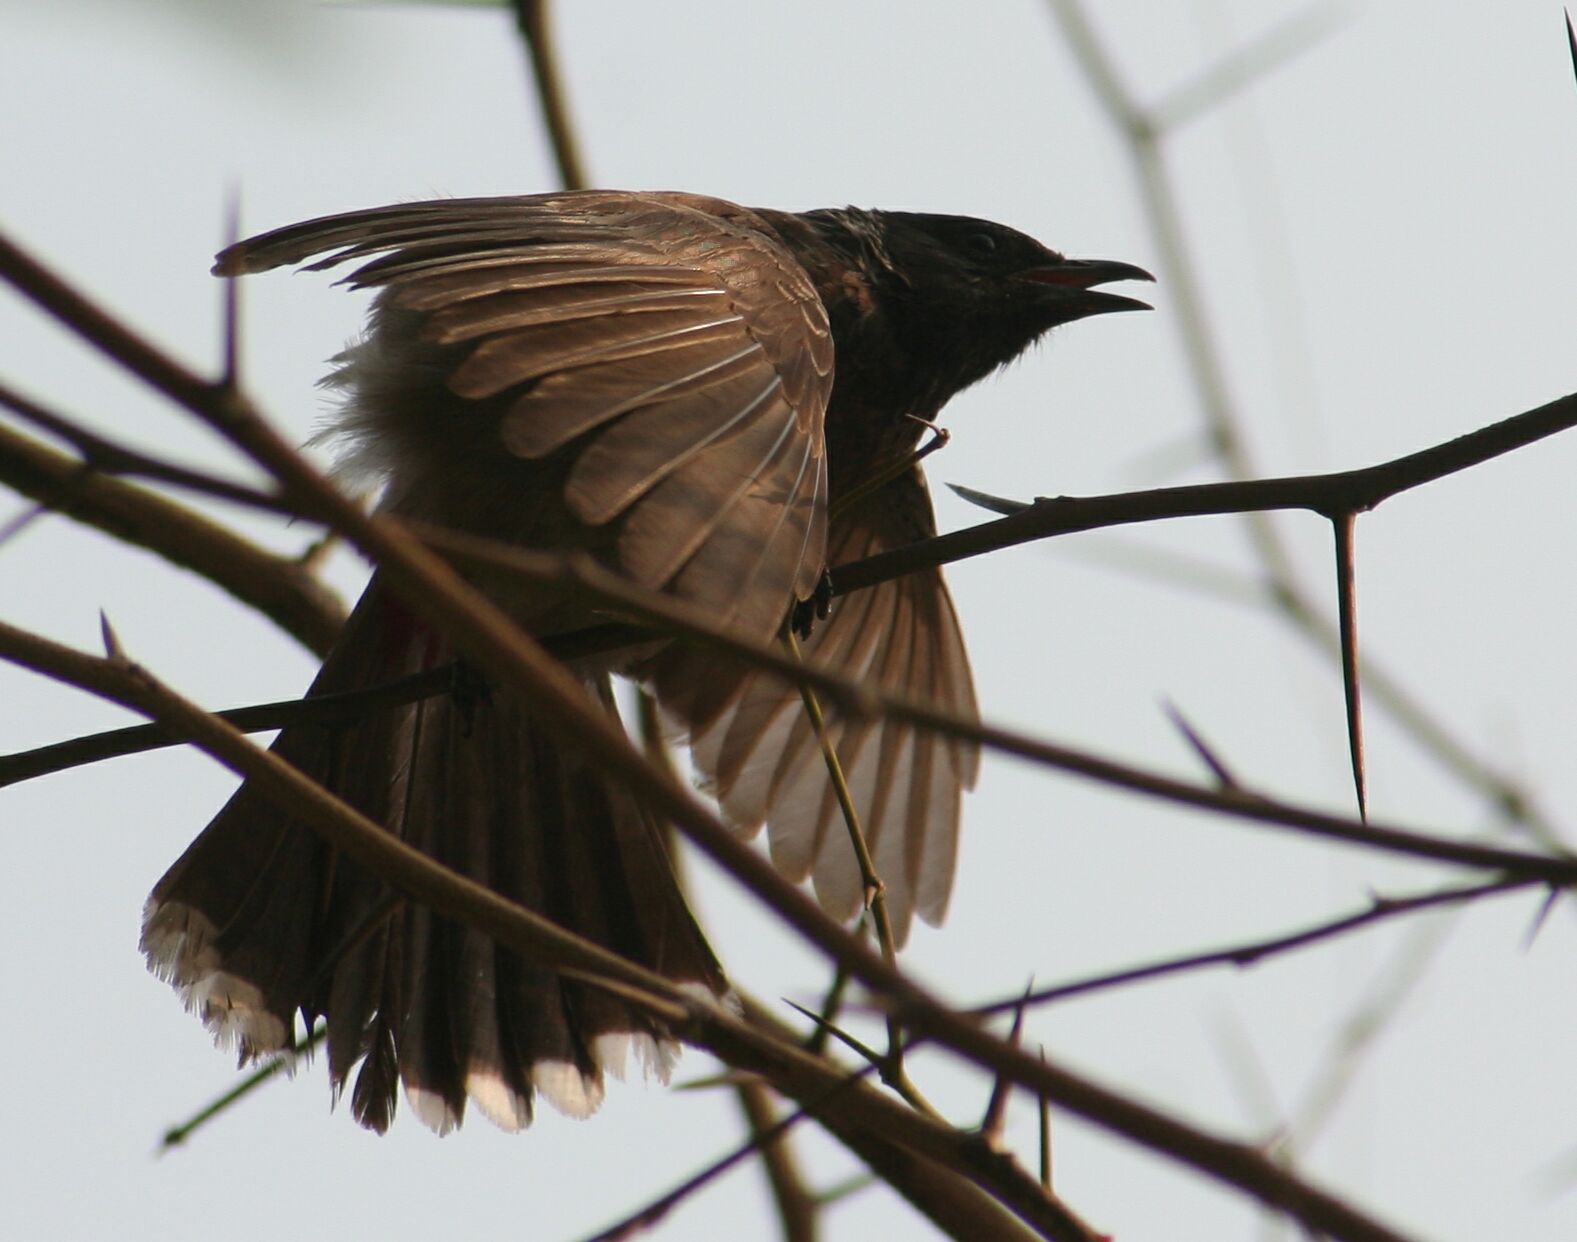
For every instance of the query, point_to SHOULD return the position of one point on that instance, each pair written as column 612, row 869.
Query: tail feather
column 260, row 920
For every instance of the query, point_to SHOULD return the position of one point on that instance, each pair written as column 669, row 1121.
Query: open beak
column 1071, row 286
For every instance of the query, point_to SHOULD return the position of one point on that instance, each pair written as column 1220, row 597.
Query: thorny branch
column 861, row 701
column 223, row 407
column 486, row 637
column 275, row 586
column 1330, row 495
column 1338, row 492
column 1144, row 131
column 1253, row 952
column 410, row 871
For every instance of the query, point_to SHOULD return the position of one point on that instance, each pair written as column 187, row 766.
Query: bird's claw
column 816, row 607
column 468, row 688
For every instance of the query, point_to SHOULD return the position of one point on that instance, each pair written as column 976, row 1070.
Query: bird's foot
column 817, row 607
column 467, row 689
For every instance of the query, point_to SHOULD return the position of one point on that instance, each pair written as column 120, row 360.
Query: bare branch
column 861, row 701
column 536, row 32
column 1254, row 952
column 870, row 1121
column 1328, row 495
column 1207, row 755
column 284, row 1062
column 1044, row 1111
column 760, row 1139
column 100, row 454
column 449, row 893
column 275, row 586
column 137, row 739
column 99, row 328
column 1142, row 138
column 409, row 870
column 1242, row 68
column 875, row 891
column 798, row 1208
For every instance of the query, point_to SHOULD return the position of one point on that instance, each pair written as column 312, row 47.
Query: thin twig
column 992, row 1123
column 1254, row 952
column 645, row 1217
column 1143, row 133
column 1207, row 755
column 1045, row 1135
column 532, row 20
column 862, row 701
column 284, row 1062
column 875, row 891
column 891, row 1076
column 1246, row 66
column 1328, row 495
column 1024, row 522
column 869, row 1123
column 517, row 664
column 837, row 990
column 1142, row 139
column 799, row 1210
column 327, row 709
column 101, row 454
column 407, row 869
column 273, row 585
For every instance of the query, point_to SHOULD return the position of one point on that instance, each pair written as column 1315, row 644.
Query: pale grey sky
column 1384, row 228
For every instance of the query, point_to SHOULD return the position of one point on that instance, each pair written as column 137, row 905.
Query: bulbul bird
column 693, row 393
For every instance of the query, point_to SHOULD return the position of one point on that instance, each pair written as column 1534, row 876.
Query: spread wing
column 753, row 742
column 667, row 344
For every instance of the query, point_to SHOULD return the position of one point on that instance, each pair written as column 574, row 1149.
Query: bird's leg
column 897, row 468
column 467, row 688
column 816, row 607
column 939, row 438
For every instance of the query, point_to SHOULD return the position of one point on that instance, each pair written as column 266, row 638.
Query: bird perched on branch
column 712, row 401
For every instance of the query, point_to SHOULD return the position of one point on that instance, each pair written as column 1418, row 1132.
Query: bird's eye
column 980, row 245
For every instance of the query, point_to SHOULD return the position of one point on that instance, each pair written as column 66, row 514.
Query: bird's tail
column 260, row 919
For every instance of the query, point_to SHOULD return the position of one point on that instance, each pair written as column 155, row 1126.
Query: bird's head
column 962, row 296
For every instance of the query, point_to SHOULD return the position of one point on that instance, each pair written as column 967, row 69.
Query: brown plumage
column 692, row 392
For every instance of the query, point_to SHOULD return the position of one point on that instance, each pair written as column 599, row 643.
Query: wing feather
column 651, row 443
column 670, row 346
column 683, row 511
column 753, row 744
